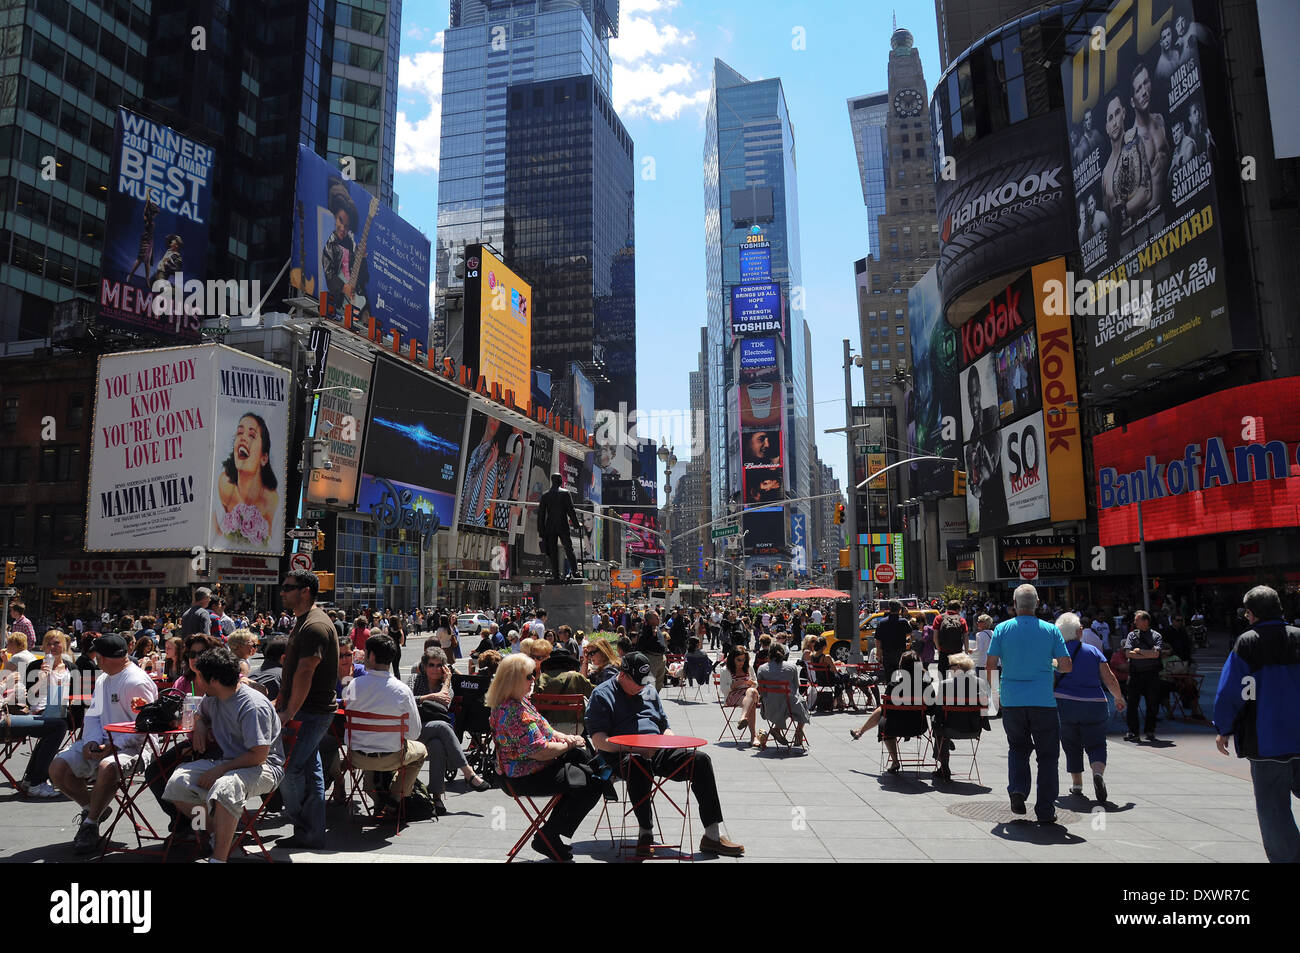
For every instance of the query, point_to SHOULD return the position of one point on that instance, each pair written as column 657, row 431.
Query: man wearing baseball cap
column 629, row 705
column 93, row 756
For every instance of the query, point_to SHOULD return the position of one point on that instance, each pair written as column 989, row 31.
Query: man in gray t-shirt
column 243, row 723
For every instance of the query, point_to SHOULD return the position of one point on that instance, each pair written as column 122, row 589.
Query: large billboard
column 189, row 449
column 641, row 535
column 155, row 228
column 413, row 443
column 1007, row 207
column 584, row 398
column 341, row 419
column 498, row 323
column 1225, row 463
column 757, row 310
column 361, row 252
column 1147, row 215
column 1019, row 407
column 497, row 462
column 933, row 407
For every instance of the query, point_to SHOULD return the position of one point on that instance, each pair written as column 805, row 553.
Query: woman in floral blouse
column 534, row 759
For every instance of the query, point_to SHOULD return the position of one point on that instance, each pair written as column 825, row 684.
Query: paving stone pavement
column 1176, row 801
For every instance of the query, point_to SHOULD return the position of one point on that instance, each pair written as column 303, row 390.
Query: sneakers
column 1131, row 736
column 87, row 839
column 1150, row 736
column 44, row 790
column 1076, row 790
column 1017, row 803
column 723, row 846
column 1099, row 787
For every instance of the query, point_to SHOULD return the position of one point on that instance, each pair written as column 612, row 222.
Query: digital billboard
column 1147, row 213
column 641, row 537
column 497, row 461
column 414, row 438
column 1007, row 207
column 155, row 228
column 189, row 449
column 1056, row 554
column 757, row 310
column 755, row 262
column 525, row 534
column 1228, row 462
column 341, row 419
column 498, row 323
column 584, row 398
column 361, row 252
column 931, row 396
column 758, row 352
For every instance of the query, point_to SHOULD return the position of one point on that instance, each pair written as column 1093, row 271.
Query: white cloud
column 652, row 76
column 419, row 82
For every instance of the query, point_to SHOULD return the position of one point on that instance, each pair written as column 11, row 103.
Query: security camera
column 224, row 321
column 857, row 360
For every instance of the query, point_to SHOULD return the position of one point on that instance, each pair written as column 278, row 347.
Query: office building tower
column 319, row 72
column 962, row 22
column 499, row 55
column 750, row 190
column 867, row 117
column 69, row 64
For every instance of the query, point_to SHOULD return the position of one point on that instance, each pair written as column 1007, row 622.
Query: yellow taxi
column 840, row 649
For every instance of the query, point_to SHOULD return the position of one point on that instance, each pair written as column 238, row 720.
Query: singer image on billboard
column 247, row 485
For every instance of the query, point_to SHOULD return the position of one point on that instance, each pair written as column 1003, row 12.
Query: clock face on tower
column 907, row 103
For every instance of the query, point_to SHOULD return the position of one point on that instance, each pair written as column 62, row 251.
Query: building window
column 13, row 526
column 9, row 416
column 898, row 330
column 76, row 411
column 875, row 365
column 15, row 462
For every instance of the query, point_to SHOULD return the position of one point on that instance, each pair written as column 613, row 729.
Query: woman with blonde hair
column 46, row 717
column 600, row 661
column 243, row 643
column 534, row 759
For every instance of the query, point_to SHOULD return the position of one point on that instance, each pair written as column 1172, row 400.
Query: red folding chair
column 354, row 768
column 566, row 713
column 906, row 729
column 862, row 679
column 728, row 711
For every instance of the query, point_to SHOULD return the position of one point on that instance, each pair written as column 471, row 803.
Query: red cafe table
column 648, row 746
column 131, row 784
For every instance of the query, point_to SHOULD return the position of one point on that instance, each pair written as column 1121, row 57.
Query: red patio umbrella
column 803, row 594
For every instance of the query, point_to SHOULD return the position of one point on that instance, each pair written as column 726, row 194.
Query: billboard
column 933, row 406
column 758, row 352
column 1225, row 463
column 755, row 262
column 498, row 323
column 525, row 534
column 497, row 460
column 345, row 242
column 640, row 537
column 584, row 398
column 342, row 420
column 188, row 449
column 757, row 310
column 155, row 227
column 1008, row 206
column 799, row 544
column 1147, row 214
column 1060, row 390
column 1056, row 554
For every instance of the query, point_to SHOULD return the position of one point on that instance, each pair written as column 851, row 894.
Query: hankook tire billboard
column 1006, row 205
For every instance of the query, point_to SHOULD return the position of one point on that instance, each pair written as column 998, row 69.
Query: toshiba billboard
column 1226, row 463
column 1022, row 447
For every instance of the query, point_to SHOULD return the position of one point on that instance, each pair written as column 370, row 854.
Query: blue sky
column 824, row 52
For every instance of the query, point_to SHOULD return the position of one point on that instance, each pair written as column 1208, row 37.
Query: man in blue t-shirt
column 629, row 705
column 1024, row 648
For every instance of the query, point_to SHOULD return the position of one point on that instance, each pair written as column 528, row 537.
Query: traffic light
column 839, row 513
column 706, row 565
column 326, row 581
column 11, row 572
column 958, row 482
column 320, row 540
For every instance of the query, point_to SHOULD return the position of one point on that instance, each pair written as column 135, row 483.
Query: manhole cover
column 999, row 812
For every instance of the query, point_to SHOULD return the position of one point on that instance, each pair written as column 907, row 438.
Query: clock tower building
column 908, row 248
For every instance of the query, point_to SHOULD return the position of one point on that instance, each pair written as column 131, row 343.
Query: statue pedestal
column 566, row 604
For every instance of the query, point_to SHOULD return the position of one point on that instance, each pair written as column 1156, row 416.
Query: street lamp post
column 669, row 460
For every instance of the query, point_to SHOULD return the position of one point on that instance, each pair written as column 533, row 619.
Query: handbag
column 164, row 714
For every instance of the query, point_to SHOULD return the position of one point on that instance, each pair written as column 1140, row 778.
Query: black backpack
column 164, row 714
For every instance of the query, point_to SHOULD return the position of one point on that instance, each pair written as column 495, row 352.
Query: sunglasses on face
column 290, row 588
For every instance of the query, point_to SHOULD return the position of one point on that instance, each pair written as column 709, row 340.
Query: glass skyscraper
column 489, row 47
column 569, row 230
column 867, row 117
column 750, row 178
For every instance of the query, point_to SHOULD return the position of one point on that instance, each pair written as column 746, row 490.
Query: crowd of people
column 280, row 729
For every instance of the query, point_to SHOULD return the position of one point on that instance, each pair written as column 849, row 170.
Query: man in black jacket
column 555, row 514
column 893, row 638
column 651, row 644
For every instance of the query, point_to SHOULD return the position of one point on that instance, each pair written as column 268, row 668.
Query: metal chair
column 353, row 771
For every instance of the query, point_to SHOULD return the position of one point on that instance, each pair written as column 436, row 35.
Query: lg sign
column 1229, row 462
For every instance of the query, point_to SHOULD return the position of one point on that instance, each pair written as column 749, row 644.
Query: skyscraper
column 867, row 116
column 569, row 230
column 69, row 64
column 320, row 72
column 750, row 182
column 493, row 53
column 962, row 22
